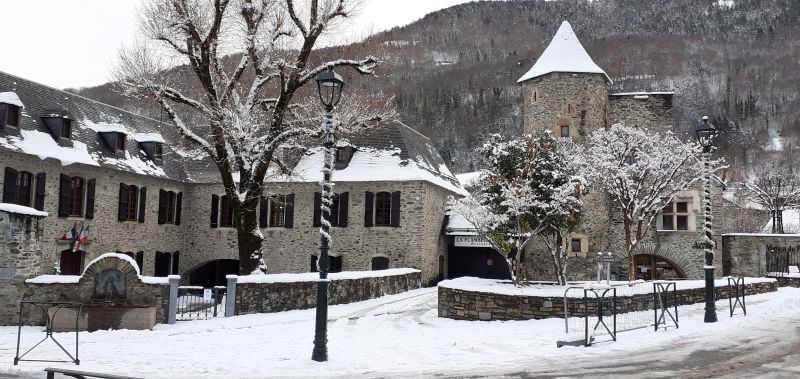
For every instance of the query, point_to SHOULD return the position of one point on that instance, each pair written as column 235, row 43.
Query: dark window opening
column 140, row 262
column 24, row 186
column 170, row 206
column 176, row 257
column 70, row 262
column 132, row 206
column 383, row 208
column 380, row 263
column 120, row 141
column 335, row 264
column 66, row 128
column 565, row 131
column 162, row 264
column 12, row 115
column 335, row 210
column 158, row 150
column 277, row 211
column 314, row 264
column 675, row 216
column 226, row 212
column 76, row 197
column 575, row 245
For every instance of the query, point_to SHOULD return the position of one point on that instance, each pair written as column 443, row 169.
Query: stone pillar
column 230, row 297
column 173, row 297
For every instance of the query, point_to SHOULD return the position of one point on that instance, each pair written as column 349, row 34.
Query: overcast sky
column 74, row 43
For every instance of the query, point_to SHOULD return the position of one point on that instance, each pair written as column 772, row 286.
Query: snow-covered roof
column 469, row 179
column 105, row 127
column 564, row 54
column 10, row 98
column 21, row 209
column 458, row 225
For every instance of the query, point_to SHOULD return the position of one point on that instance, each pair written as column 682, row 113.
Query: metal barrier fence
column 597, row 311
column 198, row 303
column 780, row 262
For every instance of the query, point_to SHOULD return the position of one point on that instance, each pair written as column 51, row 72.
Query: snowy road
column 401, row 336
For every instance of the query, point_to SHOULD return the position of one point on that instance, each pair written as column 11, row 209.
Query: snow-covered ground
column 401, row 336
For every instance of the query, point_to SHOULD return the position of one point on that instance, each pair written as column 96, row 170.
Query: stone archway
column 678, row 259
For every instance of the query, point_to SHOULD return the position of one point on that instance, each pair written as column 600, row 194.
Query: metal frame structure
column 44, row 306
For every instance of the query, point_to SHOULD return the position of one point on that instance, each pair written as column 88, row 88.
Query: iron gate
column 198, row 303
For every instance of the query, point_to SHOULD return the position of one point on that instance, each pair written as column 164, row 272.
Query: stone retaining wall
column 284, row 296
column 787, row 282
column 470, row 305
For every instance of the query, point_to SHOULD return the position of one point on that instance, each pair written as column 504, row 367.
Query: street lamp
column 329, row 87
column 705, row 135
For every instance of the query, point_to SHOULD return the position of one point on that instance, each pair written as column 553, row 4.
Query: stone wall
column 20, row 250
column 652, row 111
column 278, row 297
column 138, row 293
column 471, row 305
column 787, row 281
column 745, row 254
column 416, row 243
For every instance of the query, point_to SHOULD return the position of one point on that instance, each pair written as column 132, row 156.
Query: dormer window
column 120, row 142
column 66, row 128
column 342, row 156
column 158, row 150
column 12, row 115
column 59, row 125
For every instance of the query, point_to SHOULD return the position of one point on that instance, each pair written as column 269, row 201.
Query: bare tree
column 244, row 104
column 776, row 188
column 642, row 172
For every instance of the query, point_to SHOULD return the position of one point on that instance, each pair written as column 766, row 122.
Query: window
column 75, row 197
column 339, row 209
column 535, row 96
column 226, row 212
column 162, row 264
column 675, row 216
column 277, row 211
column 169, row 207
column 176, row 257
column 314, row 264
column 382, row 209
column 128, row 202
column 380, row 263
column 71, row 262
column 120, row 141
column 565, row 131
column 335, row 264
column 12, row 115
column 158, row 150
column 66, row 128
column 18, row 188
column 341, row 155
column 570, row 109
column 575, row 245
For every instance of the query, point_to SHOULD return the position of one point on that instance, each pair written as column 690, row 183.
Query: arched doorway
column 212, row 273
column 653, row 267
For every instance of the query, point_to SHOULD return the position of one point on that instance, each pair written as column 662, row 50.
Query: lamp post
column 705, row 134
column 329, row 87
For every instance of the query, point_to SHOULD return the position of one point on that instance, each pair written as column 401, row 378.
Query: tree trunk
column 249, row 237
column 629, row 248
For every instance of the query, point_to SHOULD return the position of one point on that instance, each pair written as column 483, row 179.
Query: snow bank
column 506, row 287
column 314, row 276
column 21, row 209
column 10, row 98
column 43, row 146
column 564, row 54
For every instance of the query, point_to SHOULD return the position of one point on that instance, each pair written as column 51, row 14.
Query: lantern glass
column 705, row 133
column 329, row 86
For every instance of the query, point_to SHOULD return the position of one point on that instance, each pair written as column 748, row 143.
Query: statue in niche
column 109, row 285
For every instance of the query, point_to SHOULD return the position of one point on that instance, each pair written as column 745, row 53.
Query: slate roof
column 564, row 54
column 40, row 101
column 388, row 152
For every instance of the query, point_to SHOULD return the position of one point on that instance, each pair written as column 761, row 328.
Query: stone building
column 125, row 183
column 567, row 93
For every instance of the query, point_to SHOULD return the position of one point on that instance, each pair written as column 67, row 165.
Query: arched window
column 380, row 263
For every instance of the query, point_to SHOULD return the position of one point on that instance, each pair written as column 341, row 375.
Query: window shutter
column 64, row 195
column 316, row 222
column 214, row 211
column 90, row 184
column 142, row 203
column 369, row 202
column 235, row 215
column 122, row 211
column 343, row 205
column 162, row 206
column 41, row 186
column 263, row 215
column 10, row 186
column 178, row 201
column 395, row 216
column 288, row 221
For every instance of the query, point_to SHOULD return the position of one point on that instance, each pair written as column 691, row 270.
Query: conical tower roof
column 564, row 54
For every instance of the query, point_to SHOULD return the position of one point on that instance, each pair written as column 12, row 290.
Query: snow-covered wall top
column 21, row 209
column 564, row 54
column 148, row 137
column 313, row 276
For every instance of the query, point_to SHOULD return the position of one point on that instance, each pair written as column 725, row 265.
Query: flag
column 81, row 238
column 70, row 234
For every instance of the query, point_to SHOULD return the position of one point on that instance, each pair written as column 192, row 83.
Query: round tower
column 565, row 91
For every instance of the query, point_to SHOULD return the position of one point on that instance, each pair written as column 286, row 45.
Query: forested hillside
column 453, row 73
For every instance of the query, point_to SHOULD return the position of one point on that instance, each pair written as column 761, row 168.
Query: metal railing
column 198, row 303
column 779, row 263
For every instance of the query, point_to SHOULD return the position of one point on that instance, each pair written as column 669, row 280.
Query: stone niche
column 113, row 297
